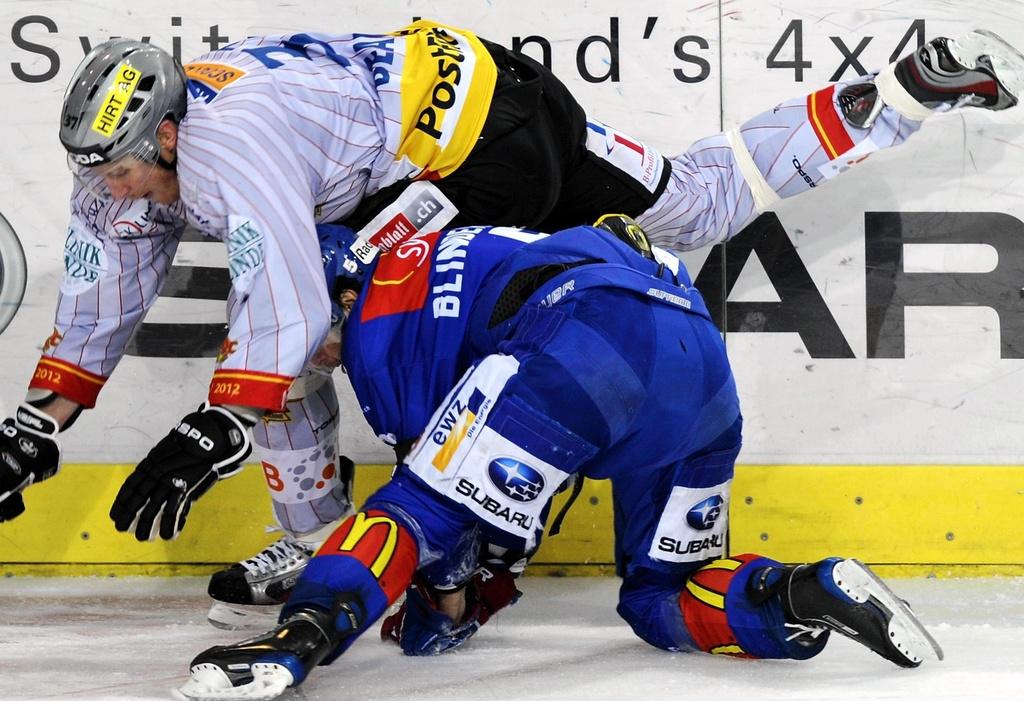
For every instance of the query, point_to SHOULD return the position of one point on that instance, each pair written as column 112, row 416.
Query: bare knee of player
column 309, row 481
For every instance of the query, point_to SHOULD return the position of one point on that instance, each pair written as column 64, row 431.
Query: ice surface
column 133, row 638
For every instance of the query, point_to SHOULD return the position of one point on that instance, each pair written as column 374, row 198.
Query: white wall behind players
column 693, row 70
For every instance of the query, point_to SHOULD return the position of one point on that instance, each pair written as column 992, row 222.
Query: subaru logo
column 516, row 480
column 702, row 516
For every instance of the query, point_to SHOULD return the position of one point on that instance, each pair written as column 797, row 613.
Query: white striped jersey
column 282, row 133
column 285, row 132
column 783, row 152
column 116, row 256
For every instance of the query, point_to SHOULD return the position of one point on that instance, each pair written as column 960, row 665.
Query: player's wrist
column 452, row 604
column 57, row 407
column 248, row 415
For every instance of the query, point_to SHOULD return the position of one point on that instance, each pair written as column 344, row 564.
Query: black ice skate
column 263, row 667
column 248, row 594
column 978, row 70
column 846, row 597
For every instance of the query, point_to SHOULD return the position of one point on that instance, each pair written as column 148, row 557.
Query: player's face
column 130, row 178
column 347, row 300
column 328, row 355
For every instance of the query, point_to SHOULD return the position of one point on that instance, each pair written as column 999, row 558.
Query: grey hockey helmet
column 117, row 98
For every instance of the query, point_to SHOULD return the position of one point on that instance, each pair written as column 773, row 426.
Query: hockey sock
column 370, row 558
column 723, row 618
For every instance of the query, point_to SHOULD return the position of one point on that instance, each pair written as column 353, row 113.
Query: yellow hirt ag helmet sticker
column 118, row 97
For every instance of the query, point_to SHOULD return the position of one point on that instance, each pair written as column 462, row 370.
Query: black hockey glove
column 29, row 453
column 207, row 445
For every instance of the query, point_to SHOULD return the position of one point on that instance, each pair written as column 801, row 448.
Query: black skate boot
column 264, row 666
column 978, row 70
column 846, row 597
column 249, row 594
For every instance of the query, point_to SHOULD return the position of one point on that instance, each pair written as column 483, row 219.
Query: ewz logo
column 515, row 479
column 703, row 515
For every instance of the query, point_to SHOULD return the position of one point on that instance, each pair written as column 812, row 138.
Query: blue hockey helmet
column 342, row 270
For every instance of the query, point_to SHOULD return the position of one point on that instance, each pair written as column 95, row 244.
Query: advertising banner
column 877, row 319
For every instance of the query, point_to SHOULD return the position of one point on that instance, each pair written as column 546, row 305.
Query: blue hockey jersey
column 404, row 343
column 432, row 307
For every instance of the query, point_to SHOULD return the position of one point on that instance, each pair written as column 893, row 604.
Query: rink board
column 876, row 326
column 935, row 520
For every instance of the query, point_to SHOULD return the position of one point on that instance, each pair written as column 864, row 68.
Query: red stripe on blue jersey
column 407, row 346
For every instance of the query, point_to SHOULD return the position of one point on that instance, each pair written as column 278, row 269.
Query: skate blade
column 209, row 683
column 906, row 632
column 1007, row 61
column 243, row 617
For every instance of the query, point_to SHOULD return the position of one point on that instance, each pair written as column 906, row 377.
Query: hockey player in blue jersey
column 345, row 129
column 516, row 361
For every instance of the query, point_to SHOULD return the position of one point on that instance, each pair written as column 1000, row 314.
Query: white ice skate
column 980, row 69
column 209, row 682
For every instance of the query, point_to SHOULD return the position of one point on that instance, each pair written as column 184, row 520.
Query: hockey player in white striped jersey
column 258, row 142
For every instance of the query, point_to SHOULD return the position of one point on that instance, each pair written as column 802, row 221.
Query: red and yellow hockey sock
column 371, row 556
column 723, row 619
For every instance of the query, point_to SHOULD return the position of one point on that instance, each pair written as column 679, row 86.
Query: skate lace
column 802, row 630
column 282, row 553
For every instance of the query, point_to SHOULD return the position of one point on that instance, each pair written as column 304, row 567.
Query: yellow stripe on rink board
column 933, row 516
column 65, row 528
column 904, row 520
